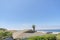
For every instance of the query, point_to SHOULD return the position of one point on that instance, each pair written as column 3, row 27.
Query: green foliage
column 2, row 29
column 44, row 37
column 4, row 34
column 33, row 26
column 58, row 36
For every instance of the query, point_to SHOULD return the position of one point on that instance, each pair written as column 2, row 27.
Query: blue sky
column 21, row 14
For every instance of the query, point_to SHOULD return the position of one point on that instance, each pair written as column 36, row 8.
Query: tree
column 33, row 26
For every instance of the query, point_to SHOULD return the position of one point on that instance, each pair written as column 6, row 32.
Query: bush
column 2, row 29
column 44, row 37
column 4, row 34
column 58, row 36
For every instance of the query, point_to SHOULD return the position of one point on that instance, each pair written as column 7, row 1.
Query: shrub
column 4, row 34
column 44, row 37
column 2, row 29
column 58, row 36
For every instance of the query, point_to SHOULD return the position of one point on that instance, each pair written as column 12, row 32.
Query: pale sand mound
column 21, row 34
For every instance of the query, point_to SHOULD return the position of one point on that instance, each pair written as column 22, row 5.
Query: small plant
column 5, row 34
column 44, row 37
